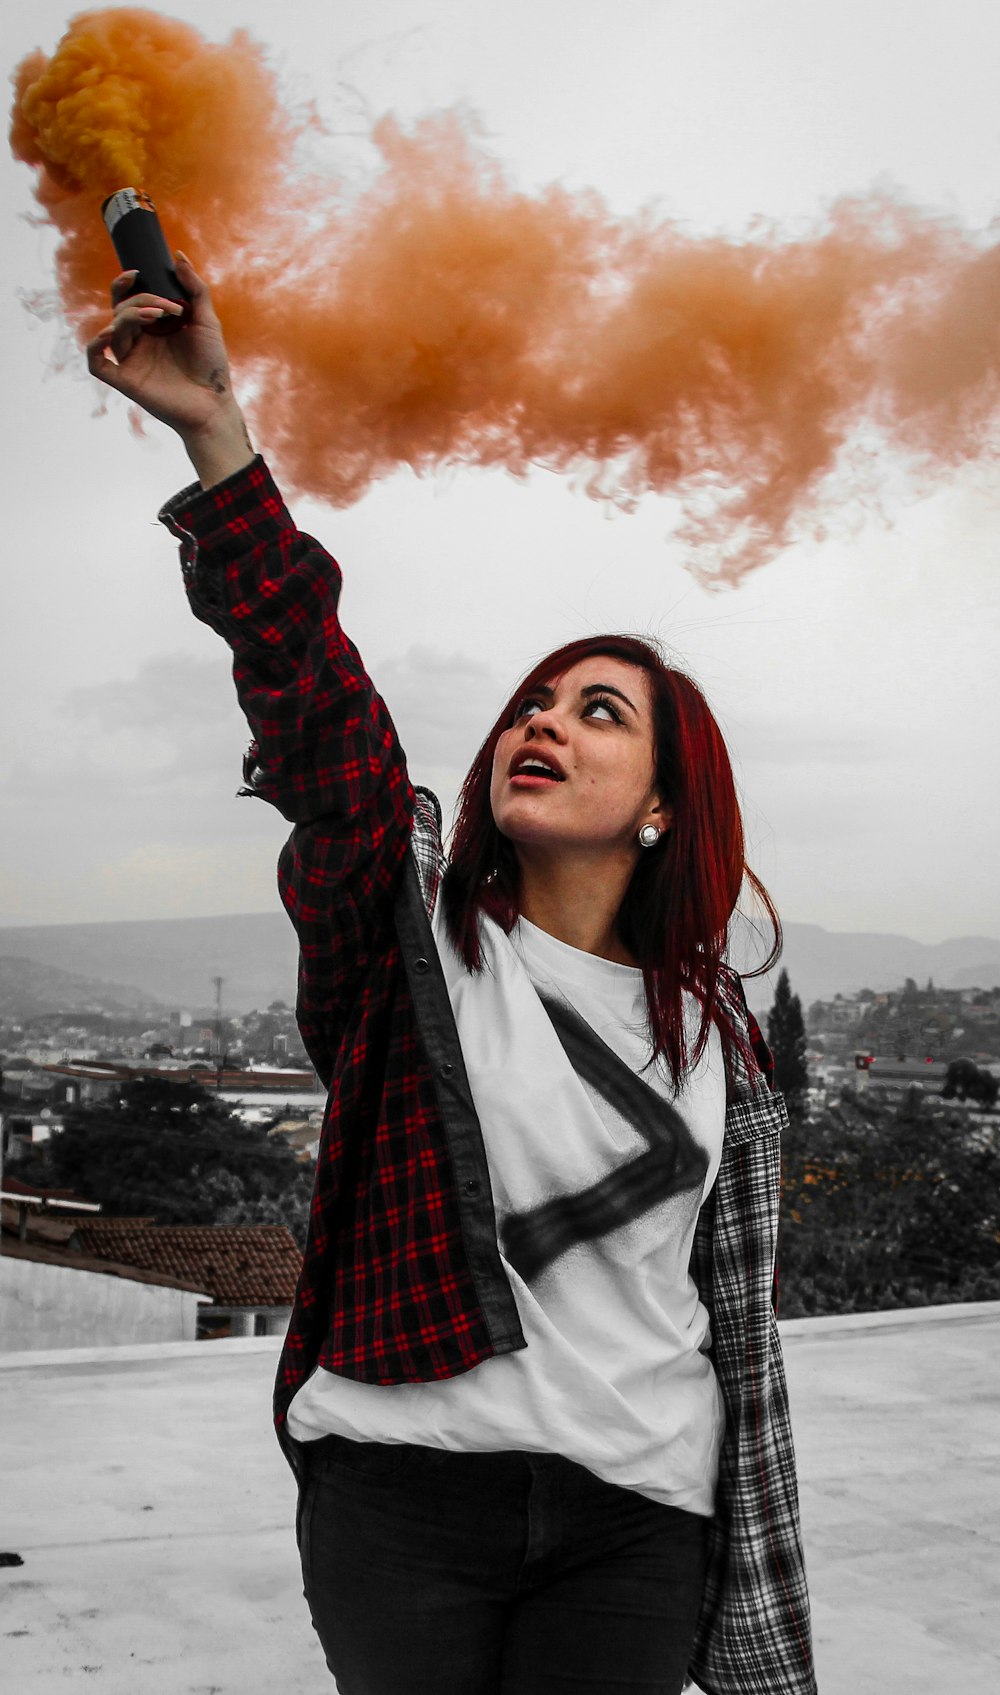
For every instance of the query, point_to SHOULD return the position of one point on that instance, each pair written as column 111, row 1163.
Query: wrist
column 220, row 446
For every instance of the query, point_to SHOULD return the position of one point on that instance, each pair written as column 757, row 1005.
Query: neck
column 577, row 901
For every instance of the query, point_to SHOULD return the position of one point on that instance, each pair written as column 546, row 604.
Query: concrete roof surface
column 154, row 1513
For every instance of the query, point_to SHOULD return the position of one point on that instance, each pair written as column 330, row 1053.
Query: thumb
column 195, row 285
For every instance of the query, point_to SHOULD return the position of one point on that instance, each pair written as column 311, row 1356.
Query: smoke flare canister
column 141, row 246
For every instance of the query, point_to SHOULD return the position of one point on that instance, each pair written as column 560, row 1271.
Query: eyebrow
column 591, row 689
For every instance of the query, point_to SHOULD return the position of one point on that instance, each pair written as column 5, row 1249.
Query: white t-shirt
column 598, row 1172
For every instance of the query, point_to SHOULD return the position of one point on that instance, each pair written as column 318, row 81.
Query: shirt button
column 447, row 1068
column 420, row 965
column 472, row 1187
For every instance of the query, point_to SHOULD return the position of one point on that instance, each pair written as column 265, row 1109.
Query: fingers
column 98, row 363
column 132, row 317
column 194, row 285
column 122, row 286
column 111, row 347
column 147, row 301
column 102, row 360
column 202, row 310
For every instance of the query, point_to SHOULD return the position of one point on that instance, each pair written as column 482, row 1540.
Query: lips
column 538, row 767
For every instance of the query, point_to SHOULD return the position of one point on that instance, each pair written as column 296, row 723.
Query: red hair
column 675, row 915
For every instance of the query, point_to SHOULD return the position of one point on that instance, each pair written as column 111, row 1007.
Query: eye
column 601, row 703
column 527, row 709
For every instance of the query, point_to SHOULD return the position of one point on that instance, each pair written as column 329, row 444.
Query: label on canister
column 118, row 206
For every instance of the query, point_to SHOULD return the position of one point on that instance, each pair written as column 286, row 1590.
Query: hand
column 182, row 379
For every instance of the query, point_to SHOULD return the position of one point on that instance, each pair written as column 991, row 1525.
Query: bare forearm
column 220, row 448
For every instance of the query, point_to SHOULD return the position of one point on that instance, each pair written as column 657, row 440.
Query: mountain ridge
column 173, row 961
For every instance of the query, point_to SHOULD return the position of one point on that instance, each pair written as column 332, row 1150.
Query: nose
column 546, row 723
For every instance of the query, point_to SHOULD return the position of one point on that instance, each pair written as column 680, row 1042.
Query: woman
column 532, row 1389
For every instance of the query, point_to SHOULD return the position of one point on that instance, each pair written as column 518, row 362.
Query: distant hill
column 173, row 961
column 823, row 963
column 29, row 989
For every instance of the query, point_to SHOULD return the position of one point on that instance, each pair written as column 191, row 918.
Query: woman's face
column 576, row 770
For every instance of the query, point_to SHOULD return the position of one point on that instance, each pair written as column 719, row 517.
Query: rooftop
column 238, row 1264
column 153, row 1512
column 209, row 1075
column 241, row 1265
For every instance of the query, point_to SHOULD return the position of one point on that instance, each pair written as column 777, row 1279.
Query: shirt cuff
column 246, row 507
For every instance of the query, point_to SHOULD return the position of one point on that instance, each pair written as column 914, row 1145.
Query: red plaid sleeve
column 324, row 749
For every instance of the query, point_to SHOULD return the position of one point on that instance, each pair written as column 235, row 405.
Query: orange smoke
column 444, row 317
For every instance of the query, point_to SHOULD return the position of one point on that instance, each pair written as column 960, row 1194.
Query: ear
column 660, row 814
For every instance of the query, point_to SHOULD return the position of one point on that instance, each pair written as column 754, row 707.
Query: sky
column 854, row 675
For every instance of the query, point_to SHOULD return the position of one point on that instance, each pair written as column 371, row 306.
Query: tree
column 893, row 1206
column 786, row 1037
column 175, row 1153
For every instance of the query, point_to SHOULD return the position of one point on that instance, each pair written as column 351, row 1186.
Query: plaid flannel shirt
column 402, row 1279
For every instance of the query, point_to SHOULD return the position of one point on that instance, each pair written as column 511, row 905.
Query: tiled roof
column 105, row 1223
column 241, row 1265
column 40, row 1254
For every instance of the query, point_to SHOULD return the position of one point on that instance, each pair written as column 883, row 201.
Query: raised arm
column 324, row 743
column 324, row 751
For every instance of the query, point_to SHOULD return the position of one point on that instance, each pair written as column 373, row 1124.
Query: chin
column 523, row 833
column 527, row 832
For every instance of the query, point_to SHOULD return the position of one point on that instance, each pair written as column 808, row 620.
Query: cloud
column 147, row 767
column 151, row 878
column 169, row 690
column 173, row 727
column 442, row 702
column 126, row 804
column 142, row 748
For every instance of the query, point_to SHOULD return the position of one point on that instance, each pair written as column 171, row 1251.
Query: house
column 891, row 1078
column 55, row 1295
column 23, row 1129
column 249, row 1270
column 28, row 1079
column 235, row 1280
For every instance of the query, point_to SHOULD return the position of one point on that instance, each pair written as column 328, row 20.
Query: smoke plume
column 442, row 316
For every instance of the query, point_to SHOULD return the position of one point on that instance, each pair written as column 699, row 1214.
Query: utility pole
column 218, row 981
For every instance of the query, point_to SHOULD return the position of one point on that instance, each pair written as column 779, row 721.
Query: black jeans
column 435, row 1573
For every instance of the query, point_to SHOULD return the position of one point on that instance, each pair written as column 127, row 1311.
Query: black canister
column 141, row 246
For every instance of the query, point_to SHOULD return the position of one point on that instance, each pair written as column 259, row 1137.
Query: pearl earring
column 649, row 835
